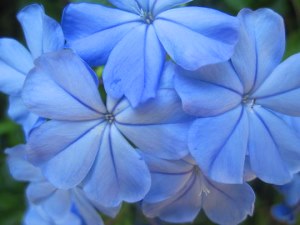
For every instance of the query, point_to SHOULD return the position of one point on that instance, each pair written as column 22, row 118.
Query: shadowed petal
column 134, row 66
column 221, row 156
column 228, row 203
column 192, row 44
column 281, row 90
column 19, row 167
column 43, row 34
column 15, row 63
column 65, row 150
column 119, row 173
column 20, row 114
column 62, row 87
column 273, row 147
column 283, row 213
column 180, row 208
column 167, row 177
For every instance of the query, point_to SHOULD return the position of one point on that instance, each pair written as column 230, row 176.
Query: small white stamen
column 109, row 117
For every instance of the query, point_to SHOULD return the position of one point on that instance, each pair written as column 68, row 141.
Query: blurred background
column 12, row 200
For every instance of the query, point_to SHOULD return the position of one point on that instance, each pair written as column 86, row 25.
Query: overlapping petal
column 38, row 26
column 209, row 91
column 66, row 88
column 15, row 63
column 193, row 44
column 65, row 150
column 119, row 172
column 221, row 155
column 19, row 167
column 228, row 203
column 275, row 157
column 135, row 73
column 155, row 126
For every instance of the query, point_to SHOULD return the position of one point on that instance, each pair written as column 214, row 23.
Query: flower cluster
column 196, row 104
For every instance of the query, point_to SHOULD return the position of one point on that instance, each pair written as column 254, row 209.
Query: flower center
column 109, row 117
column 203, row 187
column 250, row 102
column 147, row 16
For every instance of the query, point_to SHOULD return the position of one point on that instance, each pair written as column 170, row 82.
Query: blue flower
column 135, row 39
column 87, row 142
column 287, row 211
column 243, row 100
column 43, row 34
column 49, row 205
column 180, row 190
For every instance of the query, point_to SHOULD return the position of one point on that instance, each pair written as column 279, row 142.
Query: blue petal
column 42, row 33
column 283, row 213
column 65, row 150
column 167, row 177
column 273, row 147
column 133, row 6
column 209, row 91
column 37, row 192
column 62, row 87
column 291, row 191
column 194, row 43
column 119, row 173
column 261, row 46
column 86, row 208
column 20, row 114
column 228, row 203
column 15, row 63
column 19, row 167
column 134, row 66
column 55, row 203
column 37, row 216
column 281, row 90
column 180, row 208
column 219, row 145
column 160, row 6
column 86, row 25
column 161, row 121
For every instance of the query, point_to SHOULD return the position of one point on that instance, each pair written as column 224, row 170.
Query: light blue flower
column 180, row 190
column 87, row 142
column 49, row 205
column 243, row 100
column 135, row 39
column 43, row 34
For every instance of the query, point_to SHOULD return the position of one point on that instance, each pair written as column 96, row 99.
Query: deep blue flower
column 243, row 100
column 43, row 34
column 180, row 190
column 49, row 205
column 86, row 142
column 287, row 211
column 135, row 39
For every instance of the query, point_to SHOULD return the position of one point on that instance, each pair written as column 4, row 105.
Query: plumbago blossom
column 134, row 38
column 49, row 205
column 241, row 103
column 88, row 143
column 179, row 190
column 42, row 34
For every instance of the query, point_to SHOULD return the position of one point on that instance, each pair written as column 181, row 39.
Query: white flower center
column 109, row 117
